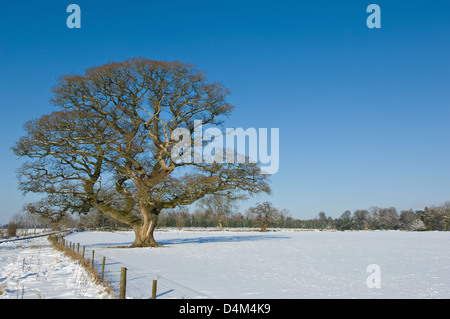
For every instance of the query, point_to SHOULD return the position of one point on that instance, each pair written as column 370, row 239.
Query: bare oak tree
column 109, row 146
column 264, row 214
column 220, row 207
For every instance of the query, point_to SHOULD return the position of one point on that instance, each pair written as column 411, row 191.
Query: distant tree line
column 219, row 211
column 374, row 218
column 29, row 223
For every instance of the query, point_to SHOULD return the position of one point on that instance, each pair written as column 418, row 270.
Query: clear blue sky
column 364, row 114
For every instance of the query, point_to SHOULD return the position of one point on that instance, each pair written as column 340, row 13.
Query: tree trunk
column 263, row 227
column 144, row 231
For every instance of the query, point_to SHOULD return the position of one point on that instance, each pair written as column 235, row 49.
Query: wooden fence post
column 78, row 248
column 93, row 252
column 154, row 290
column 103, row 267
column 83, row 251
column 123, row 282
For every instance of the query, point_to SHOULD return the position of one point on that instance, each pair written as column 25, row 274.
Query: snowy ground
column 239, row 265
column 31, row 269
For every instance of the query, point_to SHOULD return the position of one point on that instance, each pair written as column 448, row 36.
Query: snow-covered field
column 31, row 269
column 239, row 265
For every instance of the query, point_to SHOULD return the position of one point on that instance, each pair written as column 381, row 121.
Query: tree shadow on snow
column 218, row 239
column 195, row 240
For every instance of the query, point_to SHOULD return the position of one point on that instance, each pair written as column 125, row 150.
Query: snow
column 31, row 269
column 239, row 265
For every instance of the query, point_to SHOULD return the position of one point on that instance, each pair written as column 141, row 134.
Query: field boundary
column 59, row 243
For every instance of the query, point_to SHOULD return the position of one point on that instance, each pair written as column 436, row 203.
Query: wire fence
column 139, row 284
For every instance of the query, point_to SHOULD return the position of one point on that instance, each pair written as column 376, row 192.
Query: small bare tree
column 220, row 207
column 264, row 214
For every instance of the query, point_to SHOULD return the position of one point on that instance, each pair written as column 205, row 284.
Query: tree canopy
column 109, row 145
